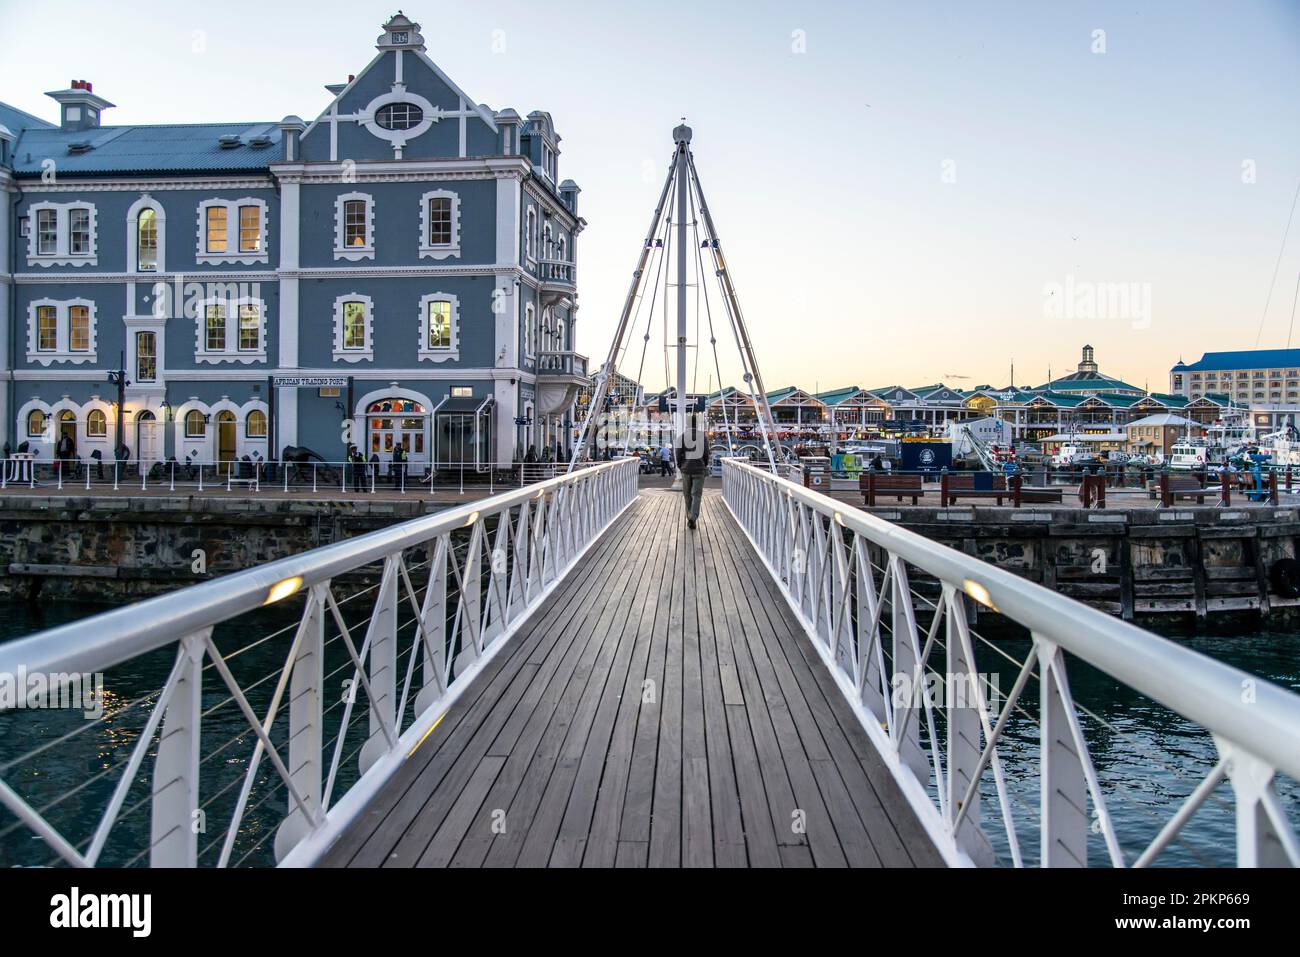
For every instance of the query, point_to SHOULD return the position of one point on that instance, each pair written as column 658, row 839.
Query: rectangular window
column 79, row 328
column 216, row 223
column 329, row 392
column 250, row 338
column 79, row 232
column 462, row 391
column 146, row 357
column 216, row 329
column 354, row 325
column 354, row 222
column 440, row 222
column 439, row 325
column 250, row 229
column 47, row 329
column 47, row 232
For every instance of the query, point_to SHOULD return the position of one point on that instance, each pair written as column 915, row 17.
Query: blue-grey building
column 400, row 269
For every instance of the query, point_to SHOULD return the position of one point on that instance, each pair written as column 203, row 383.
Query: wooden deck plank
column 556, row 758
column 895, row 832
column 406, row 796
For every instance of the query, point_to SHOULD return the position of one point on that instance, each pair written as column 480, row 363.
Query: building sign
column 309, row 381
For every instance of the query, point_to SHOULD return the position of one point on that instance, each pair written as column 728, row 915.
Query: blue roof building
column 400, row 269
column 1265, row 381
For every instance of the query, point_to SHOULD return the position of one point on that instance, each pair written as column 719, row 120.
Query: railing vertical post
column 1064, row 820
column 381, row 638
column 964, row 726
column 433, row 622
column 176, row 820
column 306, row 693
column 1258, row 844
column 906, row 660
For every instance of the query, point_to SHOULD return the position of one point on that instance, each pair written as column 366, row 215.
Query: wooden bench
column 953, row 486
column 1032, row 496
column 873, row 483
column 1174, row 487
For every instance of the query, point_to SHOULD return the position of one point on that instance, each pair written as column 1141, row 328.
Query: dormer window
column 399, row 116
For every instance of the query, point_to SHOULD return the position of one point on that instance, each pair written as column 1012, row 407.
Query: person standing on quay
column 693, row 459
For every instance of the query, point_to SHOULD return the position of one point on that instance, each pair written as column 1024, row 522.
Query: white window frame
column 341, row 249
column 354, row 355
column 158, row 327
column 530, row 330
column 452, row 351
column 444, row 251
column 62, row 256
column 63, row 333
column 133, row 235
column 232, row 253
column 530, row 227
column 232, row 352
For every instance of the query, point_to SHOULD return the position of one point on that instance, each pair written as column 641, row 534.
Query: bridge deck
column 662, row 708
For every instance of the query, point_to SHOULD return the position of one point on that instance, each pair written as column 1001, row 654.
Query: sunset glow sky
column 899, row 186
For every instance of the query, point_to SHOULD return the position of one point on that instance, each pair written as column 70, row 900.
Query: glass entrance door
column 390, row 421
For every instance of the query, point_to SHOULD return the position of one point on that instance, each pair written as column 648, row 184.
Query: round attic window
column 399, row 116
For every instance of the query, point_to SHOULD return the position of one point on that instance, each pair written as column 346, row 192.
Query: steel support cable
column 767, row 423
column 1116, row 787
column 1082, row 708
column 1272, row 282
column 713, row 339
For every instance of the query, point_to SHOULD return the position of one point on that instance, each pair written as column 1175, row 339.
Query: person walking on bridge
column 692, row 454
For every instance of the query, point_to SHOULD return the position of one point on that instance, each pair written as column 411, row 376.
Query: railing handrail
column 1200, row 688
column 118, row 636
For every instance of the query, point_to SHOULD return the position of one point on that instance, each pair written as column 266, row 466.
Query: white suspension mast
column 682, row 138
column 602, row 378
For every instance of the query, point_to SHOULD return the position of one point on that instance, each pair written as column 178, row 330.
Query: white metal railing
column 854, row 580
column 452, row 589
column 415, row 476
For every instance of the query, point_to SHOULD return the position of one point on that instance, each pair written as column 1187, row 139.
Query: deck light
column 283, row 589
column 979, row 593
column 473, row 517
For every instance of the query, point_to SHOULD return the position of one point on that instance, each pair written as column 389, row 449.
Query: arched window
column 35, row 422
column 255, row 424
column 146, row 243
column 196, row 426
column 96, row 424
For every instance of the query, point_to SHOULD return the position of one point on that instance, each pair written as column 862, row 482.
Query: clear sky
column 905, row 190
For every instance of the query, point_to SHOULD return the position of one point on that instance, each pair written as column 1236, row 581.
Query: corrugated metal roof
column 1245, row 359
column 191, row 147
column 18, row 120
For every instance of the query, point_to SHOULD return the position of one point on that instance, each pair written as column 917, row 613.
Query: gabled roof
column 187, row 147
column 1161, row 418
column 17, row 120
column 780, row 395
column 1244, row 359
column 836, row 396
